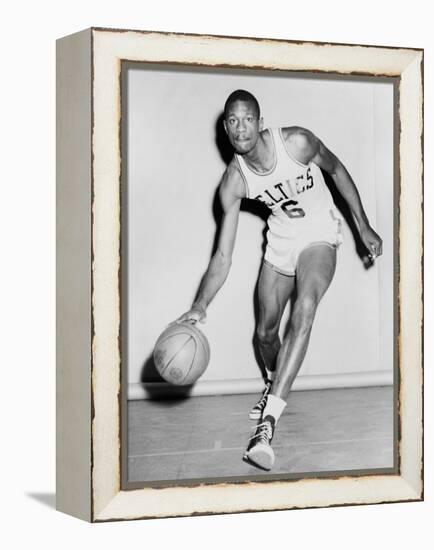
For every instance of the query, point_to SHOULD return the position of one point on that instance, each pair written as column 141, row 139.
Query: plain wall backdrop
column 27, row 278
column 174, row 165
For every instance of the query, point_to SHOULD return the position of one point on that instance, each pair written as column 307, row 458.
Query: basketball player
column 281, row 168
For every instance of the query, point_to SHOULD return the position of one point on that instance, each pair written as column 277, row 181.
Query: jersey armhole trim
column 246, row 187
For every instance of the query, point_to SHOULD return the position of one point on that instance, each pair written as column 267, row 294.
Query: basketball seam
column 192, row 361
column 192, row 328
column 161, row 340
column 203, row 340
column 180, row 349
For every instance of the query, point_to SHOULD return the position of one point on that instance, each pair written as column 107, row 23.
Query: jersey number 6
column 292, row 212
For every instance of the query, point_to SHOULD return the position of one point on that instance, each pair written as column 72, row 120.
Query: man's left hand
column 372, row 241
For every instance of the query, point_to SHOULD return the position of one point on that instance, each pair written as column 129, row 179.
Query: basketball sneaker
column 258, row 409
column 259, row 451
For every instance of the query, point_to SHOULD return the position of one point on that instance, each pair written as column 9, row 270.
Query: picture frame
column 90, row 378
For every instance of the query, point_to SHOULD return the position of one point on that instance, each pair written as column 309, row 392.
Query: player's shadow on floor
column 157, row 388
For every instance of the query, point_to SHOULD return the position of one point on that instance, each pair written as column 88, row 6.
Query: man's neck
column 261, row 158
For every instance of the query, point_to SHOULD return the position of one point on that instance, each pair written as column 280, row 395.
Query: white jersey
column 302, row 208
column 294, row 192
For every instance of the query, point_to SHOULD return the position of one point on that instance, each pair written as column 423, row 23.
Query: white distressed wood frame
column 88, row 296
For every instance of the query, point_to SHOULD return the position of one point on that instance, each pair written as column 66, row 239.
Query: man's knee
column 266, row 336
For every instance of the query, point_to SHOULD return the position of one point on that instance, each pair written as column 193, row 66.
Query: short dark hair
column 242, row 95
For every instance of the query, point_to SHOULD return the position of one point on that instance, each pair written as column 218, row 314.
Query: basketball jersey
column 296, row 193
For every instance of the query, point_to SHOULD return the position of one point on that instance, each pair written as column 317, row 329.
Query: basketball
column 181, row 354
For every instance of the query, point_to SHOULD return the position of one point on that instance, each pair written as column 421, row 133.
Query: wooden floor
column 205, row 437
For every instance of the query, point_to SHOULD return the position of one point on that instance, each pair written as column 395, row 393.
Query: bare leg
column 274, row 291
column 315, row 271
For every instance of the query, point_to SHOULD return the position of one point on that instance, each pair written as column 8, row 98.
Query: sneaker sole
column 260, row 458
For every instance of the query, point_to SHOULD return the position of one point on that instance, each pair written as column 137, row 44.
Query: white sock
column 274, row 407
column 270, row 374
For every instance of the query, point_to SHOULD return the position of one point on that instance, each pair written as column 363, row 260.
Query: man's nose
column 241, row 125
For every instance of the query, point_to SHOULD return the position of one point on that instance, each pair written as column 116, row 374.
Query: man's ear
column 225, row 126
column 261, row 124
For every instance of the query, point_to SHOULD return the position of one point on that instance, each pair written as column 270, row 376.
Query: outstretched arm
column 345, row 184
column 231, row 192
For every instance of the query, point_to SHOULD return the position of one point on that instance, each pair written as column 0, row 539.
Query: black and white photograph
column 183, row 366
column 258, row 269
column 240, row 289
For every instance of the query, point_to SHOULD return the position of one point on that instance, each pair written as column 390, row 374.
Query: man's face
column 242, row 126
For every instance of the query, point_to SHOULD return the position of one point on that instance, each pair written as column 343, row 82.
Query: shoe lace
column 263, row 432
column 263, row 401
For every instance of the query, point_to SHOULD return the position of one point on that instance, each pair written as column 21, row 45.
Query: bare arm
column 231, row 192
column 345, row 184
column 310, row 148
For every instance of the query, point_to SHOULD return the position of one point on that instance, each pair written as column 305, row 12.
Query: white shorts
column 286, row 240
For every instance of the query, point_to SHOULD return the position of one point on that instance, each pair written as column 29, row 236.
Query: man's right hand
column 196, row 313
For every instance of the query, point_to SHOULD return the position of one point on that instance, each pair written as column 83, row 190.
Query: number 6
column 292, row 212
